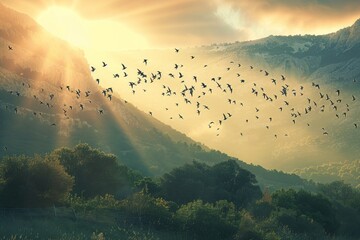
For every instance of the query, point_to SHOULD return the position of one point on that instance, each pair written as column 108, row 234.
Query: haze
column 125, row 32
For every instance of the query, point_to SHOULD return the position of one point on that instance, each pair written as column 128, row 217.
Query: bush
column 207, row 221
column 33, row 182
column 145, row 209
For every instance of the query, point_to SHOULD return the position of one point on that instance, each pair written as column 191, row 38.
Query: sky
column 184, row 23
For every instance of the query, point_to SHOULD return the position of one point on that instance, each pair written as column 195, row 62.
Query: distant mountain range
column 48, row 99
column 333, row 58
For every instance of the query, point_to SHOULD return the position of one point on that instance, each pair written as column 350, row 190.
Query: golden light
column 66, row 24
column 93, row 36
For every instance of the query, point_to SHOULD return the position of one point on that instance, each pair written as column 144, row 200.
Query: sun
column 90, row 35
column 66, row 24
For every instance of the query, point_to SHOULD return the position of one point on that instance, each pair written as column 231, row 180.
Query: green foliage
column 95, row 172
column 147, row 210
column 307, row 208
column 33, row 182
column 223, row 181
column 219, row 202
column 247, row 228
column 208, row 221
column 261, row 209
column 99, row 202
column 298, row 223
column 342, row 193
column 148, row 185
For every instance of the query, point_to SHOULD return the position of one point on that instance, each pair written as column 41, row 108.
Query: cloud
column 198, row 22
column 299, row 16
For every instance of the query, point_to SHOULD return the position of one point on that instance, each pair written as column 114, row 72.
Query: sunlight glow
column 90, row 35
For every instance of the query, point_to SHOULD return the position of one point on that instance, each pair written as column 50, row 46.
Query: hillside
column 342, row 171
column 332, row 62
column 49, row 100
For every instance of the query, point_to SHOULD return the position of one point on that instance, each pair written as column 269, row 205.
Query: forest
column 108, row 200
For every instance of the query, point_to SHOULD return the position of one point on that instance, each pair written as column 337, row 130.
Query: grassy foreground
column 95, row 226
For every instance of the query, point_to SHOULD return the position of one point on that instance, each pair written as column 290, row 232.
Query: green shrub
column 33, row 182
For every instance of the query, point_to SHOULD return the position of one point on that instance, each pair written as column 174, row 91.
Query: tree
column 239, row 184
column 313, row 207
column 95, row 172
column 33, row 182
column 185, row 184
column 223, row 181
column 342, row 193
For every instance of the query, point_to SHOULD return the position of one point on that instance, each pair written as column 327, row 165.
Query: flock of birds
column 193, row 90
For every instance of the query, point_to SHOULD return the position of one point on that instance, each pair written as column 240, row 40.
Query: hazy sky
column 158, row 23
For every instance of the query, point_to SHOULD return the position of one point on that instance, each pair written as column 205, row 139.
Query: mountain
column 321, row 73
column 49, row 100
column 333, row 62
column 331, row 58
